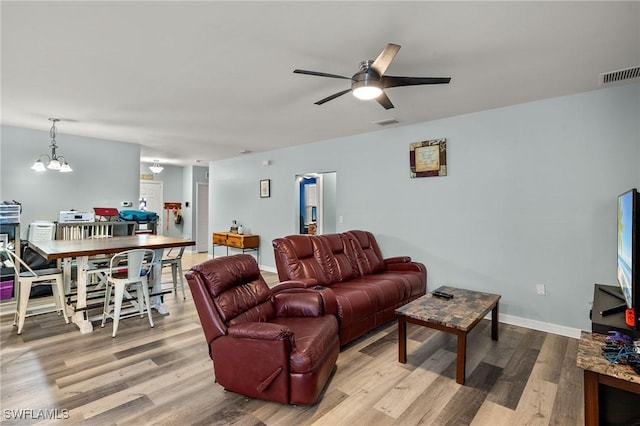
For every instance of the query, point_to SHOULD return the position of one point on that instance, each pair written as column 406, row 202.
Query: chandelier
column 156, row 168
column 54, row 161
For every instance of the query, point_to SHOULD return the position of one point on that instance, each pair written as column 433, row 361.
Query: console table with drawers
column 244, row 242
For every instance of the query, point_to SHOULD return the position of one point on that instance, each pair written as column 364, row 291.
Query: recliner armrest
column 259, row 330
column 397, row 259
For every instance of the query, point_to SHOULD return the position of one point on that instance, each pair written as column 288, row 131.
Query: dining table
column 80, row 251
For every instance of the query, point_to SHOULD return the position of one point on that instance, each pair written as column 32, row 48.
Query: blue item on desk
column 138, row 215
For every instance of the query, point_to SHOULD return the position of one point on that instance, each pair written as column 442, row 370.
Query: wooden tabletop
column 59, row 249
column 461, row 312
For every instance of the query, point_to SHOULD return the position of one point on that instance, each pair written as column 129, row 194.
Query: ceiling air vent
column 620, row 76
column 386, row 122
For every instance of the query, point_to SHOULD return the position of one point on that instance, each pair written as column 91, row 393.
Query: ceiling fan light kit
column 370, row 81
column 365, row 84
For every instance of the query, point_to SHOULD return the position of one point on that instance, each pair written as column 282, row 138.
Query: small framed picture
column 265, row 188
column 428, row 158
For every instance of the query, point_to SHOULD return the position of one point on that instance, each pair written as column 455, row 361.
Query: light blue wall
column 530, row 197
column 105, row 173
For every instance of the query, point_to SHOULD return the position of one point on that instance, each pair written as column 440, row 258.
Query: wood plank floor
column 163, row 376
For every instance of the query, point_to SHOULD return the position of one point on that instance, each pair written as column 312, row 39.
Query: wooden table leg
column 462, row 358
column 402, row 339
column 591, row 413
column 494, row 323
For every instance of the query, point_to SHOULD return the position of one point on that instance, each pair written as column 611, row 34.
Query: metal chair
column 128, row 270
column 175, row 262
column 29, row 278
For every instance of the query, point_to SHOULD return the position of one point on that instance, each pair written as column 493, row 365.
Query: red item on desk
column 630, row 317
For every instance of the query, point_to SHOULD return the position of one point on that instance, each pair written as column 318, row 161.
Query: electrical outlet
column 340, row 219
column 540, row 290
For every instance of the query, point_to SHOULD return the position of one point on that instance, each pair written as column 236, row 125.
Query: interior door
column 315, row 203
column 151, row 193
column 202, row 217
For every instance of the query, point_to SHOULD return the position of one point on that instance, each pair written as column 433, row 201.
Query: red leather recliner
column 267, row 344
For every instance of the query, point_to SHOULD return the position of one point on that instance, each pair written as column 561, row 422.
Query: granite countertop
column 460, row 312
column 590, row 358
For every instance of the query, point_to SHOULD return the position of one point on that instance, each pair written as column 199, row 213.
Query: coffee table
column 456, row 316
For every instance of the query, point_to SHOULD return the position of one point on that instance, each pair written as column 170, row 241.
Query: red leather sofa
column 268, row 344
column 349, row 266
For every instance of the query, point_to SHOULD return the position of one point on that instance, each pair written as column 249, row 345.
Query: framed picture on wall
column 428, row 158
column 265, row 188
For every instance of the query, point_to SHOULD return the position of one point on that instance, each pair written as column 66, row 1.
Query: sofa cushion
column 344, row 264
column 299, row 258
column 412, row 282
column 235, row 302
column 367, row 252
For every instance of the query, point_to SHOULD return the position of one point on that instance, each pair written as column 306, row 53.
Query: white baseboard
column 538, row 325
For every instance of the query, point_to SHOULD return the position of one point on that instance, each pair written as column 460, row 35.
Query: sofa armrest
column 397, row 259
column 259, row 330
column 301, row 283
column 410, row 266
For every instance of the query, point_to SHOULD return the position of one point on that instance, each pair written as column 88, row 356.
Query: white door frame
column 201, row 234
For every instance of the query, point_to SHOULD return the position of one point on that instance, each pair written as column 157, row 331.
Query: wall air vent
column 386, row 122
column 620, row 76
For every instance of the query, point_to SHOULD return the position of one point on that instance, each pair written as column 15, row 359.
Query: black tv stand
column 604, row 318
column 618, row 295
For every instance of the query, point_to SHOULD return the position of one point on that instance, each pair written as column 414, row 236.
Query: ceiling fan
column 370, row 81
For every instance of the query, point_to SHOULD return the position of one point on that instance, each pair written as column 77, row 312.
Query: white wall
column 105, row 173
column 530, row 197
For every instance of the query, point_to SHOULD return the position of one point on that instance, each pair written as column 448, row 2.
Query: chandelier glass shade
column 54, row 161
column 156, row 168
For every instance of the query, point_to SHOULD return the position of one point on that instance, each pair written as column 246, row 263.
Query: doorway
column 316, row 203
column 152, row 200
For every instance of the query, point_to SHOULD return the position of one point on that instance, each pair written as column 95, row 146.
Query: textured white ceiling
column 205, row 80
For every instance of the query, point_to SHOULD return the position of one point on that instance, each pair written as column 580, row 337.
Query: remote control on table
column 442, row 294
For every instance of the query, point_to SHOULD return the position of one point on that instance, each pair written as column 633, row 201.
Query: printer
column 73, row 216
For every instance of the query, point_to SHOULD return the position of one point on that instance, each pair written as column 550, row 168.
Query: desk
column 82, row 249
column 456, row 316
column 598, row 373
column 245, row 242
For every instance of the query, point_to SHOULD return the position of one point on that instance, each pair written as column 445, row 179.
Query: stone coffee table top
column 460, row 312
column 590, row 358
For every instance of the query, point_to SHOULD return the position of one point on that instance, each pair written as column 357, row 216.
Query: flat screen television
column 629, row 255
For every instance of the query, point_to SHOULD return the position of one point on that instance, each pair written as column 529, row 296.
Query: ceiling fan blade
column 385, row 57
column 320, row 74
column 391, row 81
column 384, row 100
column 329, row 98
